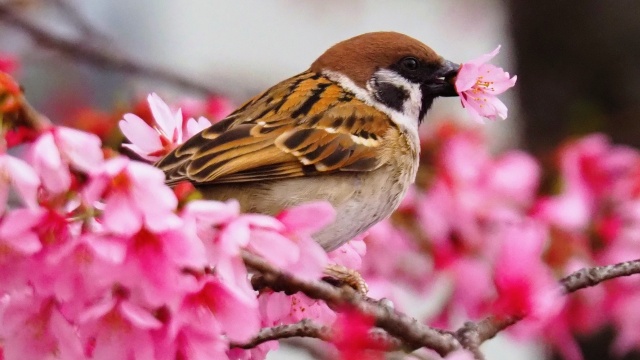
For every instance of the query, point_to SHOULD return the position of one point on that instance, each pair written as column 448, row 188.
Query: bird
column 344, row 131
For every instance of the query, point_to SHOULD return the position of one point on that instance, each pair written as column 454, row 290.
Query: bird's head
column 395, row 70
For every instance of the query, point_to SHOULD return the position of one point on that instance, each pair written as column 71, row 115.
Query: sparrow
column 344, row 131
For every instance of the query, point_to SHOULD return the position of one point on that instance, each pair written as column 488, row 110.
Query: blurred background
column 578, row 63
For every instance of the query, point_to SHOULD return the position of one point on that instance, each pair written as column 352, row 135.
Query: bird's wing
column 304, row 126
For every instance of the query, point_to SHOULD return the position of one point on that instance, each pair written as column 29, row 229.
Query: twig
column 592, row 276
column 304, row 328
column 96, row 55
column 31, row 118
column 470, row 339
column 581, row 279
column 307, row 328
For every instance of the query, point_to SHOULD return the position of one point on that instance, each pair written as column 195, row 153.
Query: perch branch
column 396, row 324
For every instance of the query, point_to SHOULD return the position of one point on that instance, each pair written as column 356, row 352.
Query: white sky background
column 245, row 46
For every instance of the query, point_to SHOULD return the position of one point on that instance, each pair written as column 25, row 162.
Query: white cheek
column 407, row 119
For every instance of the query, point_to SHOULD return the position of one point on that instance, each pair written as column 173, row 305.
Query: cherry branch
column 409, row 331
column 307, row 328
column 304, row 328
column 95, row 53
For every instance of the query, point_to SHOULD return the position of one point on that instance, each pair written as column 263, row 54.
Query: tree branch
column 96, row 54
column 413, row 334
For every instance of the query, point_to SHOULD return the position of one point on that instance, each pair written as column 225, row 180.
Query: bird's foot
column 339, row 276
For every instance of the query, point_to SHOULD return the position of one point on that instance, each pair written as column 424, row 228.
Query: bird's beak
column 444, row 83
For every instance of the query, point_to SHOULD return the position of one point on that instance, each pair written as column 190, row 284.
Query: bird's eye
column 409, row 63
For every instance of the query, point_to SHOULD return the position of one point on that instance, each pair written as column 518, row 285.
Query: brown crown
column 359, row 57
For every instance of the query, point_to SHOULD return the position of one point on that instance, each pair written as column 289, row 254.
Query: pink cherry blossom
column 211, row 220
column 152, row 142
column 21, row 177
column 215, row 302
column 83, row 151
column 116, row 327
column 350, row 254
column 154, row 262
column 300, row 223
column 17, row 230
column 47, row 161
column 168, row 131
column 478, row 83
column 277, row 308
column 33, row 328
column 194, row 126
column 55, row 151
column 134, row 195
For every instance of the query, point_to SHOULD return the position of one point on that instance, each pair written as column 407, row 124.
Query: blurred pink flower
column 47, row 161
column 21, row 177
column 408, row 267
column 194, row 126
column 625, row 316
column 17, row 230
column 8, row 63
column 55, row 151
column 351, row 337
column 82, row 150
column 473, row 286
column 514, row 177
column 214, row 107
column 478, row 84
column 525, row 285
column 34, row 328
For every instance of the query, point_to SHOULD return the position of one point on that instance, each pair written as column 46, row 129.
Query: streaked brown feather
column 305, row 125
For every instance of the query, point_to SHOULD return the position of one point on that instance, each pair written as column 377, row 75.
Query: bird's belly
column 360, row 199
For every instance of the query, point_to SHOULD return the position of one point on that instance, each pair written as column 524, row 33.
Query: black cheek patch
column 391, row 95
column 427, row 101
